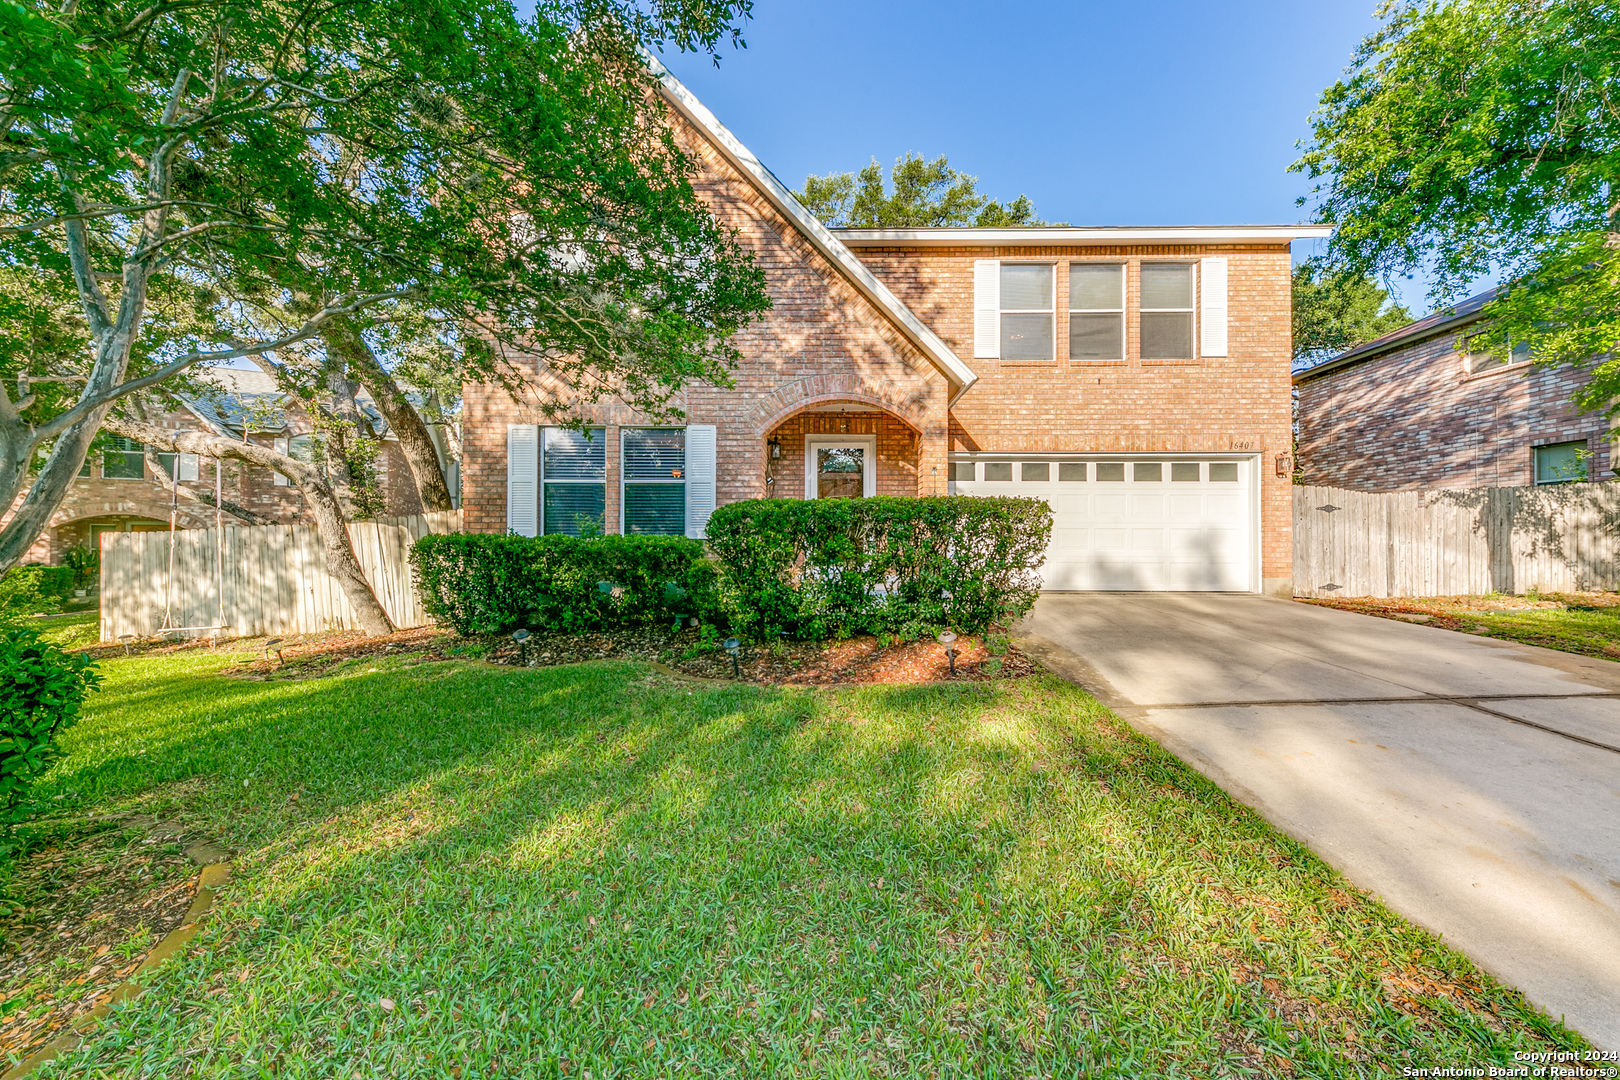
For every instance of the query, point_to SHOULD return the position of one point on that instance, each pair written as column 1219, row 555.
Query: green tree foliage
column 267, row 168
column 1338, row 311
column 923, row 194
column 1479, row 137
column 42, row 690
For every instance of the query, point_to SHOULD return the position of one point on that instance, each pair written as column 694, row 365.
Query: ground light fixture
column 948, row 639
column 273, row 643
column 522, row 639
column 733, row 646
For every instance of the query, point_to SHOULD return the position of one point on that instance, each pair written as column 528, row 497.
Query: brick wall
column 1414, row 418
column 821, row 342
column 1239, row 402
column 896, row 450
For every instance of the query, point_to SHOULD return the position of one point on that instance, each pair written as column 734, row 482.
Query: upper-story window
column 124, row 459
column 1563, row 463
column 1096, row 311
column 1490, row 351
column 1167, row 311
column 1026, row 311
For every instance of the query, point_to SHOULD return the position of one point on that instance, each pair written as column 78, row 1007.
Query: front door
column 840, row 467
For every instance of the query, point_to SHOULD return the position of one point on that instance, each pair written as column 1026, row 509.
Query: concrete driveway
column 1474, row 785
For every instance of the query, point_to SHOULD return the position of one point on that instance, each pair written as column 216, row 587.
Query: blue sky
column 1163, row 112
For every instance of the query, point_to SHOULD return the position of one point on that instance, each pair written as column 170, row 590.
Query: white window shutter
column 523, row 479
column 1213, row 314
column 986, row 309
column 188, row 467
column 701, row 452
column 282, row 446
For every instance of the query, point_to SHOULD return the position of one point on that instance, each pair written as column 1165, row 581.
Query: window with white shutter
column 652, row 465
column 1026, row 311
column 573, row 481
column 986, row 309
column 523, row 479
column 1167, row 311
column 1212, row 303
column 701, row 454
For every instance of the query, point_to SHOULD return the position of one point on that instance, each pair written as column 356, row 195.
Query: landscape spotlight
column 272, row 644
column 522, row 639
column 733, row 646
column 948, row 639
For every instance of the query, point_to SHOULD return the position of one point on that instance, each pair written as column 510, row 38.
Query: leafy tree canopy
column 1338, row 311
column 923, row 194
column 210, row 180
column 1481, row 137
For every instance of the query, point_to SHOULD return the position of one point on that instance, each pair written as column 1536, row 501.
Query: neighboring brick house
column 1445, row 403
column 118, row 492
column 1137, row 379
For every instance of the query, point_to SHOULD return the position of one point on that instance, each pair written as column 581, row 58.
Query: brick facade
column 823, row 344
column 1413, row 417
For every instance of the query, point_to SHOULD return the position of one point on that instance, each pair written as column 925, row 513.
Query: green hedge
column 486, row 584
column 27, row 590
column 42, row 690
column 814, row 568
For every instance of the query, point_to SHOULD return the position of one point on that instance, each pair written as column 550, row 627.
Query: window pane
column 1035, row 472
column 1026, row 287
column 1150, row 472
column 1096, row 337
column 1166, row 285
column 962, row 471
column 1096, row 288
column 167, row 463
column 571, row 455
column 1026, row 337
column 576, row 509
column 303, row 448
column 1560, row 463
column 997, row 470
column 654, row 453
column 126, row 460
column 1166, row 335
column 655, row 509
column 1184, row 471
column 1223, row 472
column 1070, row 471
column 1111, row 471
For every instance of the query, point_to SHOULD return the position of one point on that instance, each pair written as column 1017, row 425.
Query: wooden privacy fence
column 1552, row 538
column 275, row 579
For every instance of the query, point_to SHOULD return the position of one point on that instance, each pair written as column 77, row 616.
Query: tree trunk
column 323, row 505
column 344, row 342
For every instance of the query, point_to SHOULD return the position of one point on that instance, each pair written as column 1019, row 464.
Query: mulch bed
column 81, row 913
column 863, row 659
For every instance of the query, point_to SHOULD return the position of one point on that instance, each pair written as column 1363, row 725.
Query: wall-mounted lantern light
column 776, row 448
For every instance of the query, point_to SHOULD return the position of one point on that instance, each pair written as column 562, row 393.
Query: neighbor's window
column 1096, row 311
column 302, row 448
column 1026, row 311
column 1489, row 351
column 125, row 459
column 1561, row 463
column 573, row 481
column 654, row 467
column 1167, row 311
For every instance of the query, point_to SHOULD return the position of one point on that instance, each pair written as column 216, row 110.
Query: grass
column 77, row 630
column 453, row 870
column 1585, row 623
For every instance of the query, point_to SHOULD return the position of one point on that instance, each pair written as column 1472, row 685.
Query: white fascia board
column 820, row 237
column 1104, row 236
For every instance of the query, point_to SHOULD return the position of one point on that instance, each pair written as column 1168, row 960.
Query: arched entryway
column 841, row 449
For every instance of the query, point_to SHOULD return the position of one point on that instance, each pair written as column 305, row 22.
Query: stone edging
column 215, row 872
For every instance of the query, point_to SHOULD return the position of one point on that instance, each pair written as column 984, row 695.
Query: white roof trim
column 820, row 237
column 1099, row 236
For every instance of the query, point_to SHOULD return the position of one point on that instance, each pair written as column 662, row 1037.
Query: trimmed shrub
column 815, row 568
column 28, row 590
column 42, row 690
column 487, row 584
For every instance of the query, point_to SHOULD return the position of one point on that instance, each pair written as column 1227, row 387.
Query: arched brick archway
column 803, row 394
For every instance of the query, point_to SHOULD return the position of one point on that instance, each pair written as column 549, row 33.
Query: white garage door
column 1161, row 524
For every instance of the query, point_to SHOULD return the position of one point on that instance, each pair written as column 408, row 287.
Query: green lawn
column 450, row 869
column 1585, row 623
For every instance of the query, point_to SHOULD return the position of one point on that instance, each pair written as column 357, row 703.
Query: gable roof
column 1442, row 321
column 958, row 374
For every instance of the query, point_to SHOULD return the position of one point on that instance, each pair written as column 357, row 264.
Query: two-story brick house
column 1136, row 378
column 1444, row 402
